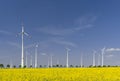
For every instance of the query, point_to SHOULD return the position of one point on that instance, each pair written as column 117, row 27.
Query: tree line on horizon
column 55, row 66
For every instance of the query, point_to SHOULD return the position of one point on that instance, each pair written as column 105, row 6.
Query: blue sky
column 81, row 25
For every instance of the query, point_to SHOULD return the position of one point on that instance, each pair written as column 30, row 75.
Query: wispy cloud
column 81, row 23
column 46, row 44
column 5, row 32
column 112, row 49
column 65, row 43
column 109, row 56
column 56, row 31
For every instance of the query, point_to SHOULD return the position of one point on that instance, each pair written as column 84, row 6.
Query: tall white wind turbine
column 36, row 55
column 11, row 64
column 81, row 61
column 103, row 52
column 22, row 36
column 94, row 52
column 51, row 56
column 98, row 59
column 67, row 60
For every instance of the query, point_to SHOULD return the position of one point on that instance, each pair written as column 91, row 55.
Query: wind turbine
column 81, row 60
column 67, row 60
column 22, row 36
column 31, row 61
column 26, row 59
column 98, row 59
column 103, row 52
column 11, row 64
column 36, row 55
column 51, row 60
column 94, row 52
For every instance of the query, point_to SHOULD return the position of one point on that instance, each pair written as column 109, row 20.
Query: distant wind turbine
column 81, row 60
column 51, row 60
column 36, row 56
column 22, row 55
column 67, row 60
column 26, row 59
column 94, row 52
column 31, row 61
column 11, row 64
column 98, row 59
column 103, row 52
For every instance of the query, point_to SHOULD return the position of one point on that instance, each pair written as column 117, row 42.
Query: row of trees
column 54, row 66
column 41, row 66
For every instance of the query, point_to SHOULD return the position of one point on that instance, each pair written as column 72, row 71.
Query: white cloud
column 112, row 49
column 82, row 23
column 5, row 32
column 55, row 31
column 87, row 19
column 66, row 43
column 46, row 44
column 109, row 55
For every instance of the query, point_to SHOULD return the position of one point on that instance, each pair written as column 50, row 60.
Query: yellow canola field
column 61, row 74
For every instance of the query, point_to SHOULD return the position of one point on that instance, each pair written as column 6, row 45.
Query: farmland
column 60, row 74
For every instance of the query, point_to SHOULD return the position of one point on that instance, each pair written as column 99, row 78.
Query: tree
column 40, row 66
column 30, row 66
column 71, row 66
column 109, row 66
column 61, row 66
column 90, row 66
column 14, row 66
column 8, row 66
column 1, row 66
column 99, row 66
column 24, row 66
column 104, row 65
column 57, row 65
column 76, row 66
column 45, row 66
column 54, row 65
column 19, row 66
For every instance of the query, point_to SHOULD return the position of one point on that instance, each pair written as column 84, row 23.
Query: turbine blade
column 27, row 34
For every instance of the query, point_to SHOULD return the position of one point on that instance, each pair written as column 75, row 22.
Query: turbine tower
column 98, row 59
column 103, row 52
column 51, row 60
column 48, row 61
column 94, row 52
column 67, row 60
column 81, row 60
column 11, row 64
column 31, row 62
column 22, row 36
column 26, row 58
column 36, row 55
